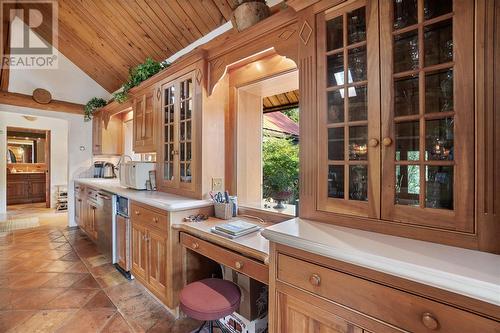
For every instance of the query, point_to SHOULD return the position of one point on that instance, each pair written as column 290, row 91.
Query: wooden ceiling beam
column 224, row 8
column 27, row 101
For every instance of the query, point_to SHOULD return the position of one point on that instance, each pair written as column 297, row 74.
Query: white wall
column 67, row 83
column 69, row 133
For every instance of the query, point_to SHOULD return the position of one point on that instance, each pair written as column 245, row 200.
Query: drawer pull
column 315, row 280
column 137, row 212
column 238, row 265
column 387, row 141
column 195, row 245
column 155, row 220
column 430, row 321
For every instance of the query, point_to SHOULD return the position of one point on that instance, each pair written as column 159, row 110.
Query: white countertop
column 466, row 272
column 166, row 201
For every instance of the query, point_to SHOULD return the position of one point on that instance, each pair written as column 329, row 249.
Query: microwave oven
column 135, row 174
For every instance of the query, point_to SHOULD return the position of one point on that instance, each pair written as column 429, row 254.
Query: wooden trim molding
column 27, row 101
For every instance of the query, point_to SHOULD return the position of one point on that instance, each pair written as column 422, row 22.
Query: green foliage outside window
column 280, row 159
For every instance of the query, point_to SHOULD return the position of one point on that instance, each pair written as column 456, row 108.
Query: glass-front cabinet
column 348, row 87
column 396, row 111
column 178, row 112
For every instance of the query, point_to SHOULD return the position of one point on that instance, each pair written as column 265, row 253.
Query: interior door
column 157, row 274
column 428, row 112
column 349, row 109
column 139, row 251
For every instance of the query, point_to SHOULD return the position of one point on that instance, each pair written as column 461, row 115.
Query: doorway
column 28, row 168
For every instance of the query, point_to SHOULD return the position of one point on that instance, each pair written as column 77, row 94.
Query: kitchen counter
column 165, row 201
column 471, row 273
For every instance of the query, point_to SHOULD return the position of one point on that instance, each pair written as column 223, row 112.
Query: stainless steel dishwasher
column 104, row 220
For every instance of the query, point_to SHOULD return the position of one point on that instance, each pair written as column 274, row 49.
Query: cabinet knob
column 315, row 280
column 137, row 212
column 174, row 152
column 373, row 142
column 387, row 141
column 195, row 245
column 430, row 321
column 238, row 265
column 155, row 220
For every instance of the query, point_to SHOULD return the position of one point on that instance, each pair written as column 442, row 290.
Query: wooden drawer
column 242, row 264
column 393, row 306
column 149, row 217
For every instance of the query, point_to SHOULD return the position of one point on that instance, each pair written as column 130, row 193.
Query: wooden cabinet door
column 427, row 85
column 78, row 211
column 97, row 134
column 349, row 109
column 179, row 116
column 138, row 119
column 149, row 122
column 17, row 191
column 37, row 188
column 157, row 258
column 297, row 316
column 139, row 251
column 123, row 242
column 168, row 154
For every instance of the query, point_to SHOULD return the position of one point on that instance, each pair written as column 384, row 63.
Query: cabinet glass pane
column 406, row 96
column 168, row 171
column 188, row 151
column 189, row 108
column 186, row 89
column 439, row 143
column 405, row 13
column 336, row 144
column 356, row 60
column 439, row 187
column 407, row 185
column 438, row 43
column 188, row 130
column 183, row 151
column 358, row 182
column 435, row 8
column 358, row 138
column 334, row 34
column 335, row 64
column 183, row 111
column 405, row 51
column 439, row 91
column 336, row 181
column 407, row 141
column 358, row 103
column 183, row 131
column 356, row 26
column 335, row 106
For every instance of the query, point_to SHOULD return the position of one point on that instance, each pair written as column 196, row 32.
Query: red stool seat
column 210, row 299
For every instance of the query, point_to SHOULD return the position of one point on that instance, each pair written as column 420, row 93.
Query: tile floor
column 53, row 279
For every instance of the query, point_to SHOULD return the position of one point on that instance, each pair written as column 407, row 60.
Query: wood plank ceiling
column 106, row 37
column 281, row 102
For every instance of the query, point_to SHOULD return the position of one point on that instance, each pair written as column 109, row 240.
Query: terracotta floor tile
column 44, row 321
column 102, row 270
column 65, row 280
column 11, row 318
column 57, row 266
column 100, row 300
column 77, row 267
column 71, row 299
column 111, row 279
column 87, row 282
column 86, row 320
column 32, row 299
column 117, row 325
column 70, row 256
column 29, row 280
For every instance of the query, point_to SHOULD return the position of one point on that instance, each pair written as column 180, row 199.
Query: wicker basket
column 223, row 210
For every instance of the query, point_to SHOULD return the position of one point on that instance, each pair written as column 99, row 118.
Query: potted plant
column 92, row 106
column 137, row 75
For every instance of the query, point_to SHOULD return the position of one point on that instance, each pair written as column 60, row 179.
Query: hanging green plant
column 92, row 105
column 137, row 75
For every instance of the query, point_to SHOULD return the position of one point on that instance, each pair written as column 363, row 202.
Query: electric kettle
column 109, row 170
